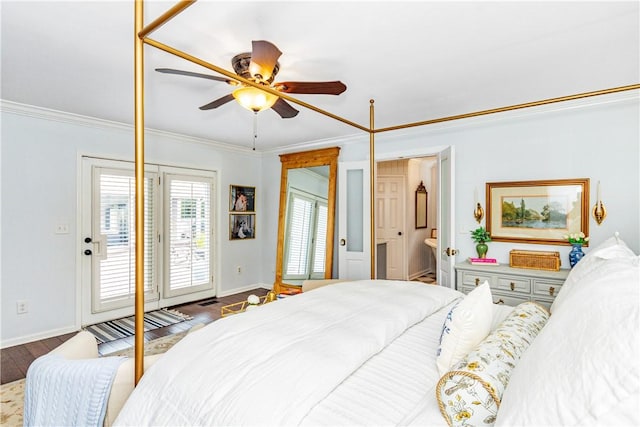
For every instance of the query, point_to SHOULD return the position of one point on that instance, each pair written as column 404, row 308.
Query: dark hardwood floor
column 16, row 360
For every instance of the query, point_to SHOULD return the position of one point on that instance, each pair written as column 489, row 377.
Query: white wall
column 40, row 161
column 596, row 138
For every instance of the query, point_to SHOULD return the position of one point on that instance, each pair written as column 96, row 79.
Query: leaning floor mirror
column 307, row 217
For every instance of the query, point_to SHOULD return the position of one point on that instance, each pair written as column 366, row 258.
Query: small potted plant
column 481, row 236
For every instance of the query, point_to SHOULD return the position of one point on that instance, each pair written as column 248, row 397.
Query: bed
column 364, row 353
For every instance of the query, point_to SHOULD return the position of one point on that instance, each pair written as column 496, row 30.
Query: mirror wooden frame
column 321, row 157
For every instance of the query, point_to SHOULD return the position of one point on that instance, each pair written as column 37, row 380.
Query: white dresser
column 511, row 286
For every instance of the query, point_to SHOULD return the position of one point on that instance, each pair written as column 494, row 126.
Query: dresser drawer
column 512, row 300
column 514, row 284
column 547, row 288
column 470, row 278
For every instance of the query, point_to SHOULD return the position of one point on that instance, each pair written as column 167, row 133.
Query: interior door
column 354, row 221
column 446, row 218
column 390, row 223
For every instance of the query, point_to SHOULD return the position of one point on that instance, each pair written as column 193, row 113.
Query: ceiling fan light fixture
column 254, row 99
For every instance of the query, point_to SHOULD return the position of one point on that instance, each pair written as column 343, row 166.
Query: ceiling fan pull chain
column 255, row 129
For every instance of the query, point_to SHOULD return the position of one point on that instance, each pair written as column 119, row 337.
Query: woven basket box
column 535, row 260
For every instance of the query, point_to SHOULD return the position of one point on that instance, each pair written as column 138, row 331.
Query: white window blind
column 116, row 260
column 299, row 235
column 189, row 232
column 306, row 237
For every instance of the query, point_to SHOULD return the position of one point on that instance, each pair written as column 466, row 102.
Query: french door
column 178, row 262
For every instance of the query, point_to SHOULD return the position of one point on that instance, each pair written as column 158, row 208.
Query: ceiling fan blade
column 218, row 102
column 284, row 109
column 323, row 88
column 192, row 74
column 264, row 57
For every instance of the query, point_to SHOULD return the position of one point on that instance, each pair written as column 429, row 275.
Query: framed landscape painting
column 537, row 211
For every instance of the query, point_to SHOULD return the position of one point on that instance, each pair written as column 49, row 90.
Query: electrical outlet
column 62, row 229
column 22, row 307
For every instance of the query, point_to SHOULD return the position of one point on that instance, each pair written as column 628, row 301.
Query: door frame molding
column 410, row 153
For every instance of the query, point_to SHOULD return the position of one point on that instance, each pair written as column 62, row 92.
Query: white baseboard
column 36, row 337
column 244, row 289
column 61, row 331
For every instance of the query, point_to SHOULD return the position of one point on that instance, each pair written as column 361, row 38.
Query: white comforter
column 277, row 364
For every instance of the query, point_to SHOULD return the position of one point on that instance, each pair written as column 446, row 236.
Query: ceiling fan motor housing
column 241, row 63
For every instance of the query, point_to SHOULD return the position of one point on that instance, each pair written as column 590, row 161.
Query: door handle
column 343, row 242
column 87, row 239
column 399, row 233
column 450, row 252
column 87, row 251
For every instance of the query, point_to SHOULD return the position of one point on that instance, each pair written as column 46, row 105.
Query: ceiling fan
column 261, row 66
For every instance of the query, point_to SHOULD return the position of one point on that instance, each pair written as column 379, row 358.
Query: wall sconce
column 478, row 212
column 599, row 212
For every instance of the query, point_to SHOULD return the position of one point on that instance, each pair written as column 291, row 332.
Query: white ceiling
column 417, row 60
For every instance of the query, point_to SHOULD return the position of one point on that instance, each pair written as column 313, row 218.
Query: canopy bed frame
column 141, row 37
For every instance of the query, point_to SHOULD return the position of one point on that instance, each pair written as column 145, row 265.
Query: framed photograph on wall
column 242, row 227
column 537, row 211
column 242, row 199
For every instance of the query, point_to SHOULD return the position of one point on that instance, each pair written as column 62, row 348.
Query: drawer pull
column 513, row 285
column 552, row 290
column 500, row 301
column 477, row 281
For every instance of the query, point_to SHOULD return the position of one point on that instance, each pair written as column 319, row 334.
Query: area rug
column 125, row 327
column 12, row 394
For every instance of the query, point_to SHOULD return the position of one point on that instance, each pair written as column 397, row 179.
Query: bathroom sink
column 432, row 243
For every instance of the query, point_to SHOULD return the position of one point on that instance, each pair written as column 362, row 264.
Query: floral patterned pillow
column 470, row 393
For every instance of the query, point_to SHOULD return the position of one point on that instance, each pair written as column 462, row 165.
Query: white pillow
column 466, row 325
column 582, row 368
column 591, row 266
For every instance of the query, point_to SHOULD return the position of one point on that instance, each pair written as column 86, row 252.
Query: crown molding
column 96, row 123
column 77, row 119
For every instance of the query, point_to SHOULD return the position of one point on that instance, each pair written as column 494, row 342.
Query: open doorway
column 406, row 220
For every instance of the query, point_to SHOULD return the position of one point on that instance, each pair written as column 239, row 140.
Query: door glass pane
column 355, row 210
column 320, row 242
column 117, row 223
column 189, row 233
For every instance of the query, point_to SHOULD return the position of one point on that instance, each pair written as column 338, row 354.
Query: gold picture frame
column 242, row 198
column 539, row 212
column 242, row 226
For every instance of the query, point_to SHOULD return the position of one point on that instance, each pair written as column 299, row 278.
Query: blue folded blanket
column 64, row 392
